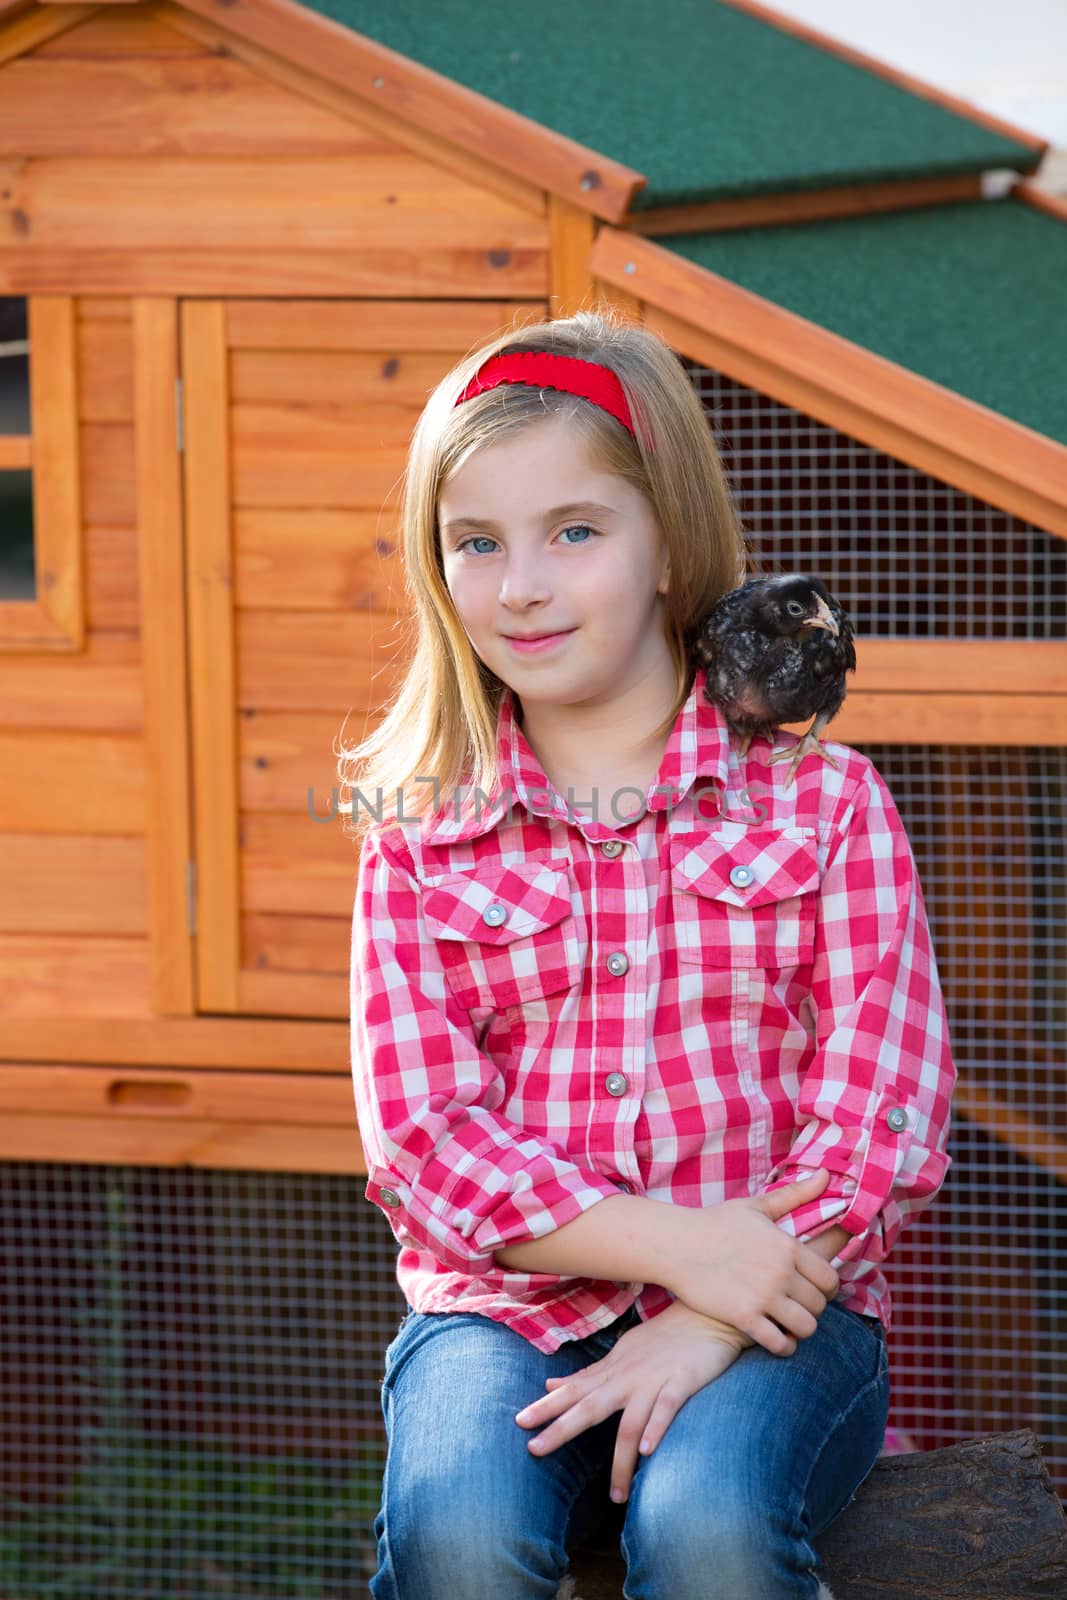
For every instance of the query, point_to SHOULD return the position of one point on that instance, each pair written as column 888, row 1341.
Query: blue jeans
column 752, row 1468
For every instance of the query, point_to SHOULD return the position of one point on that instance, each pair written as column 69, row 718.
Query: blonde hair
column 442, row 721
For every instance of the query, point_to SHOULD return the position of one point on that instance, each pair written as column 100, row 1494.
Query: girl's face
column 537, row 541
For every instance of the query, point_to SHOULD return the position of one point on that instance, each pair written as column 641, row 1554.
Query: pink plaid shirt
column 550, row 1006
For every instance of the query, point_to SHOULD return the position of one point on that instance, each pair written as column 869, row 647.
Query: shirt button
column 389, row 1197
column 897, row 1119
column 624, row 1186
column 495, row 914
column 741, row 876
column 616, row 1083
column 618, row 963
column 611, row 847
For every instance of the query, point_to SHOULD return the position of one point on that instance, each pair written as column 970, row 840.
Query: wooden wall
column 173, row 926
column 142, row 149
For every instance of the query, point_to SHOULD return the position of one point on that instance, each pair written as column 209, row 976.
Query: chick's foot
column 807, row 745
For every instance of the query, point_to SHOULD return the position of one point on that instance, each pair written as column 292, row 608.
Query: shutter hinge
column 179, row 414
column 190, row 895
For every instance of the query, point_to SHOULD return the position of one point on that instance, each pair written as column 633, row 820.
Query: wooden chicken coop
column 240, row 242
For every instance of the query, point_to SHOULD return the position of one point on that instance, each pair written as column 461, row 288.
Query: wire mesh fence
column 907, row 555
column 191, row 1366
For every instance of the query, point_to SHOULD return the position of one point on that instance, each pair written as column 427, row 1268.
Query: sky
column 1010, row 59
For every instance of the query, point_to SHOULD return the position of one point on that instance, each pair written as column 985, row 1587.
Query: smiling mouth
column 532, row 638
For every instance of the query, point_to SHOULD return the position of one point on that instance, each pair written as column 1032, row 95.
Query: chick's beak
column 824, row 619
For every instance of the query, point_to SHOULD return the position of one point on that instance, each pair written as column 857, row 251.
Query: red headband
column 570, row 374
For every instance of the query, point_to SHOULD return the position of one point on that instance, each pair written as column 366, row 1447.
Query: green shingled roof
column 709, row 102
column 971, row 295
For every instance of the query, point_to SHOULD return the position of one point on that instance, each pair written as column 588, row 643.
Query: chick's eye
column 579, row 527
column 795, row 608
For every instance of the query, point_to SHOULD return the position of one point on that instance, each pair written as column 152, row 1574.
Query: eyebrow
column 593, row 507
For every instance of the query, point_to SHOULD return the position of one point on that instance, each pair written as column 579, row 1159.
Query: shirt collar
column 698, row 746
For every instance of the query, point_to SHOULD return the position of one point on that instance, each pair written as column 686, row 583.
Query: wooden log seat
column 976, row 1521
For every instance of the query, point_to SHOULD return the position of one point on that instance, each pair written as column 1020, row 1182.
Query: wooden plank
column 317, row 558
column 109, row 487
column 24, row 26
column 168, row 781
column 297, row 661
column 323, row 203
column 905, row 80
column 394, row 386
column 297, row 944
column 193, row 105
column 212, row 659
column 65, row 781
column 105, row 308
column 277, row 1045
column 931, row 717
column 288, row 760
column 712, row 320
column 112, row 602
column 73, row 883
column 136, row 1093
column 109, row 35
column 74, row 975
column 277, row 454
column 16, row 452
column 395, row 326
column 478, row 170
column 105, row 368
column 28, row 625
column 1053, row 205
column 921, row 667
column 291, row 994
column 426, row 99
column 98, row 689
column 157, row 1142
column 57, row 617
column 272, row 843
column 571, row 233
column 370, row 272
column 806, row 205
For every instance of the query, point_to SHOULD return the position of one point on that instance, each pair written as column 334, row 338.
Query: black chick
column 777, row 650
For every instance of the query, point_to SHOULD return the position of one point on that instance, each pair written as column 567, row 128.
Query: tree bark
column 976, row 1521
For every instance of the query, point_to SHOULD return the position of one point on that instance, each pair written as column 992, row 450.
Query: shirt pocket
column 746, row 899
column 506, row 934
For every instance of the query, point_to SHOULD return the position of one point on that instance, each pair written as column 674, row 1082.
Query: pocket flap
column 520, row 899
column 778, row 865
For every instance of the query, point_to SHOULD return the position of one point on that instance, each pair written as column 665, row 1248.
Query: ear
column 665, row 580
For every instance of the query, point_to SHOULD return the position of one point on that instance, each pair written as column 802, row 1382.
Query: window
column 42, row 602
column 17, row 577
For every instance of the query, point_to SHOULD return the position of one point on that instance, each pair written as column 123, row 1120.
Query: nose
column 523, row 582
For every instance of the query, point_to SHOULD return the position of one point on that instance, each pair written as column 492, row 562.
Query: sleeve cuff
column 864, row 1163
column 523, row 1214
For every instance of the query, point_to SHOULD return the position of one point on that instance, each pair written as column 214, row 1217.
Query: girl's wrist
column 712, row 1325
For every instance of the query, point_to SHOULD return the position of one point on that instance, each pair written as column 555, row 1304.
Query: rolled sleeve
column 874, row 1100
column 452, row 1175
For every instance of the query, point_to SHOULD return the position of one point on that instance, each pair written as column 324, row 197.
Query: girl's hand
column 732, row 1261
column 649, row 1374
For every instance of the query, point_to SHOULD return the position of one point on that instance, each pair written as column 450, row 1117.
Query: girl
column 649, row 1050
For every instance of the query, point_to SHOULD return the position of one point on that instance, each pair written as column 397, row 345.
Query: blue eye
column 579, row 527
